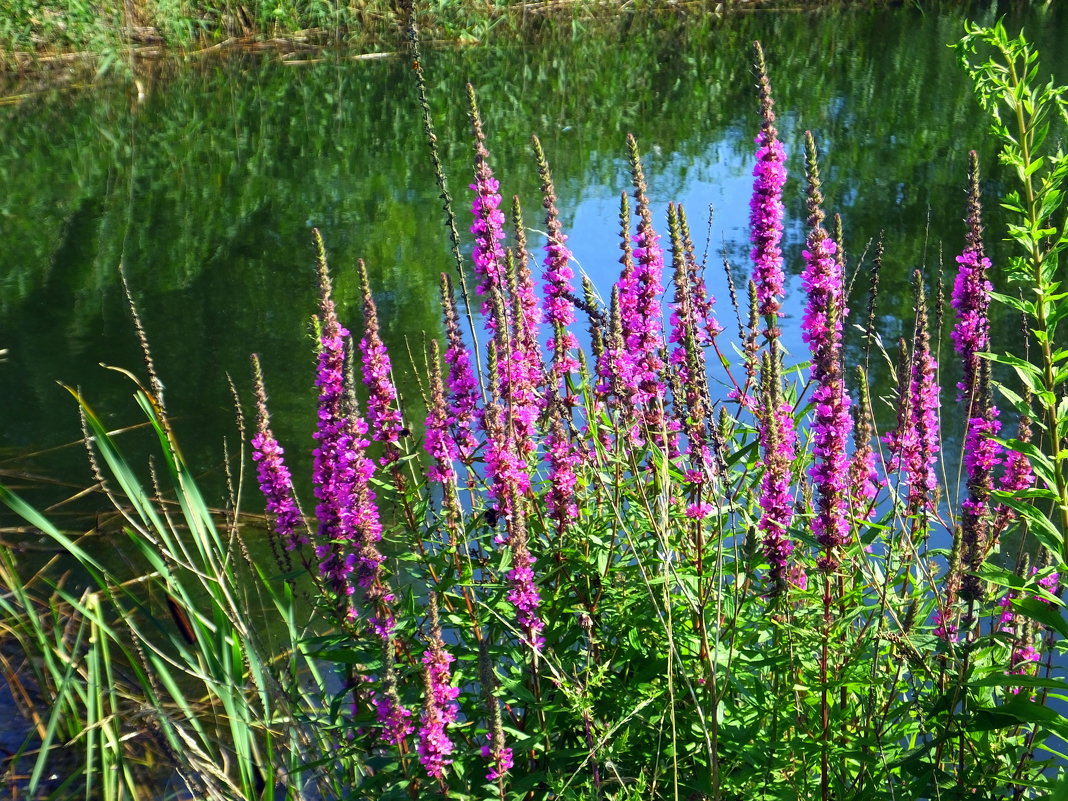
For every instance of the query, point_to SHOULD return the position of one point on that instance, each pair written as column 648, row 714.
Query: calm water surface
column 207, row 191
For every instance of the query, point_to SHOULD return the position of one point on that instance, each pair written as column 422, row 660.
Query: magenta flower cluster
column 821, row 329
column 639, row 300
column 500, row 762
column 765, row 221
column 462, row 387
column 273, row 476
column 1024, row 654
column 439, row 711
column 488, row 229
column 337, row 459
column 524, row 596
column 971, row 301
column 563, row 461
column 394, row 720
column 559, row 311
column 383, row 417
column 777, row 442
column 914, row 444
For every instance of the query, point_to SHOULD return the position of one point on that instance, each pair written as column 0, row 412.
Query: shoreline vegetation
column 63, row 41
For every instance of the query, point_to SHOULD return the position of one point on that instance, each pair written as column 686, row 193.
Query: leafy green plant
column 1023, row 112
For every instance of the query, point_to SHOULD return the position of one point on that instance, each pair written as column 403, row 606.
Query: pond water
column 207, row 188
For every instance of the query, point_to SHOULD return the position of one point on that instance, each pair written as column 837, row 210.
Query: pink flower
column 766, row 207
column 775, row 428
column 439, row 703
column 273, row 475
column 383, row 418
column 501, row 762
column 821, row 329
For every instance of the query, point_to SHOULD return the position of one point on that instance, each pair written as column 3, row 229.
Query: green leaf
column 1029, row 374
column 1014, row 398
column 1014, row 302
column 1013, row 680
column 1040, row 525
column 1045, row 613
column 1000, row 576
column 1023, row 710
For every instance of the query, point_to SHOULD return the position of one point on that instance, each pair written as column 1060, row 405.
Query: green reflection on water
column 208, row 189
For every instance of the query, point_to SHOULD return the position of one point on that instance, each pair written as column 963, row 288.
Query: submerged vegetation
column 619, row 559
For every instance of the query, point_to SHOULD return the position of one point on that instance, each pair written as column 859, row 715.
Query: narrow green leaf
column 1045, row 613
column 1013, row 680
column 1014, row 302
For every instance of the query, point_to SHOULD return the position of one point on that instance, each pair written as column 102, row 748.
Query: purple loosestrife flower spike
column 463, row 391
column 528, row 307
column 914, row 444
column 766, row 207
column 557, row 276
column 777, row 441
column 334, row 460
column 362, row 517
column 687, row 360
column 488, row 226
column 438, row 441
column 521, row 388
column 523, row 593
column 441, row 446
column 383, row 418
column 393, row 717
column 564, row 461
column 640, row 294
column 971, row 294
column 946, row 612
column 1018, row 475
column 864, row 480
column 643, row 330
column 703, row 303
column 615, row 369
column 682, row 320
column 821, row 329
column 274, row 478
column 980, row 457
column 495, row 750
column 439, row 702
column 971, row 335
column 349, row 526
column 506, row 470
column 1023, row 634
